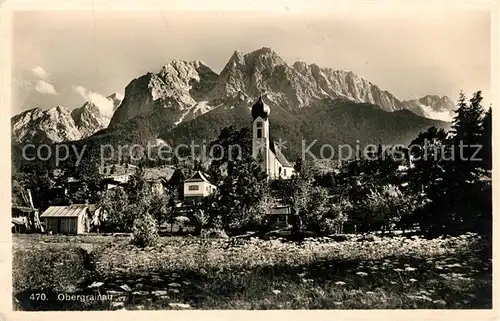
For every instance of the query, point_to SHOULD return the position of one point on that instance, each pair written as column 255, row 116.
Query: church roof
column 260, row 109
column 279, row 155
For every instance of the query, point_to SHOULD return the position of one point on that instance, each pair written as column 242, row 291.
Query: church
column 267, row 152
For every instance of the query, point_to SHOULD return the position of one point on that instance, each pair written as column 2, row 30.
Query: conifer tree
column 467, row 130
column 458, row 200
column 486, row 134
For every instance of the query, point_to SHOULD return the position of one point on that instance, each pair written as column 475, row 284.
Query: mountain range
column 188, row 101
column 60, row 124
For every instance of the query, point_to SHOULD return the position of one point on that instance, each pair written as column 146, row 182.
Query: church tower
column 260, row 140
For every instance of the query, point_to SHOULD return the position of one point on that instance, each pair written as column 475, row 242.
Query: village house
column 279, row 216
column 113, row 181
column 25, row 217
column 71, row 219
column 198, row 186
column 21, row 218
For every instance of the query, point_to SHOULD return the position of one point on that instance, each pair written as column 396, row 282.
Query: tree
column 175, row 183
column 316, row 208
column 201, row 220
column 82, row 176
column 447, row 174
column 136, row 185
column 233, row 145
column 466, row 132
column 160, row 207
column 383, row 208
column 114, row 204
column 39, row 180
column 296, row 191
column 429, row 151
column 335, row 218
column 486, row 134
column 145, row 231
column 464, row 171
column 240, row 193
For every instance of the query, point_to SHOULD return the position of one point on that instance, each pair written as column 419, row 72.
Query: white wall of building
column 201, row 188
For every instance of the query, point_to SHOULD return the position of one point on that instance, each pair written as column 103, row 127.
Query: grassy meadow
column 352, row 272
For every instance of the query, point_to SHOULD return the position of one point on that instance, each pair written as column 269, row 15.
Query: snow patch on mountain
column 194, row 111
column 445, row 115
column 433, row 107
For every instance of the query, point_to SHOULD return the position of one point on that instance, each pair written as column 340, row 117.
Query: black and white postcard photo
column 248, row 155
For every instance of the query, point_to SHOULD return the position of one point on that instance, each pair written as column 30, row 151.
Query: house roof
column 73, row 210
column 279, row 155
column 24, row 209
column 199, row 177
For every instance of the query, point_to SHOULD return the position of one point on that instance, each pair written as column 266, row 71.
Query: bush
column 54, row 269
column 329, row 226
column 382, row 209
column 214, row 234
column 335, row 218
column 145, row 231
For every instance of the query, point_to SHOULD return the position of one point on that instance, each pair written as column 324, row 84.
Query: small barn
column 71, row 219
column 278, row 216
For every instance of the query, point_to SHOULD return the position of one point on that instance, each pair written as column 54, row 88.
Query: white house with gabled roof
column 198, row 185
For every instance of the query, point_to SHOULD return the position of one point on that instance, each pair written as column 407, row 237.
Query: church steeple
column 260, row 109
column 260, row 140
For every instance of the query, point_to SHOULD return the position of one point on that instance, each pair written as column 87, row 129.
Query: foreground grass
column 386, row 273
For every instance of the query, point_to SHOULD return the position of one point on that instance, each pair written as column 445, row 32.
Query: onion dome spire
column 260, row 109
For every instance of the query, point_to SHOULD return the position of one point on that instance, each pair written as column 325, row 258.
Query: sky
column 68, row 57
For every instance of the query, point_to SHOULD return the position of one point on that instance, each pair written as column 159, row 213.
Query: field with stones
column 347, row 272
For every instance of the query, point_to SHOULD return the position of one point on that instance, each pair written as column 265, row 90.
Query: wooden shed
column 72, row 219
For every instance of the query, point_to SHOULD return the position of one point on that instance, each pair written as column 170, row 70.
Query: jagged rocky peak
column 185, row 88
column 300, row 66
column 52, row 125
column 437, row 103
column 179, row 85
column 26, row 116
column 59, row 124
column 258, row 60
column 179, row 72
column 58, row 111
column 237, row 59
column 432, row 106
column 139, row 98
column 347, row 85
column 20, row 121
column 89, row 119
column 264, row 58
column 295, row 86
column 250, row 73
